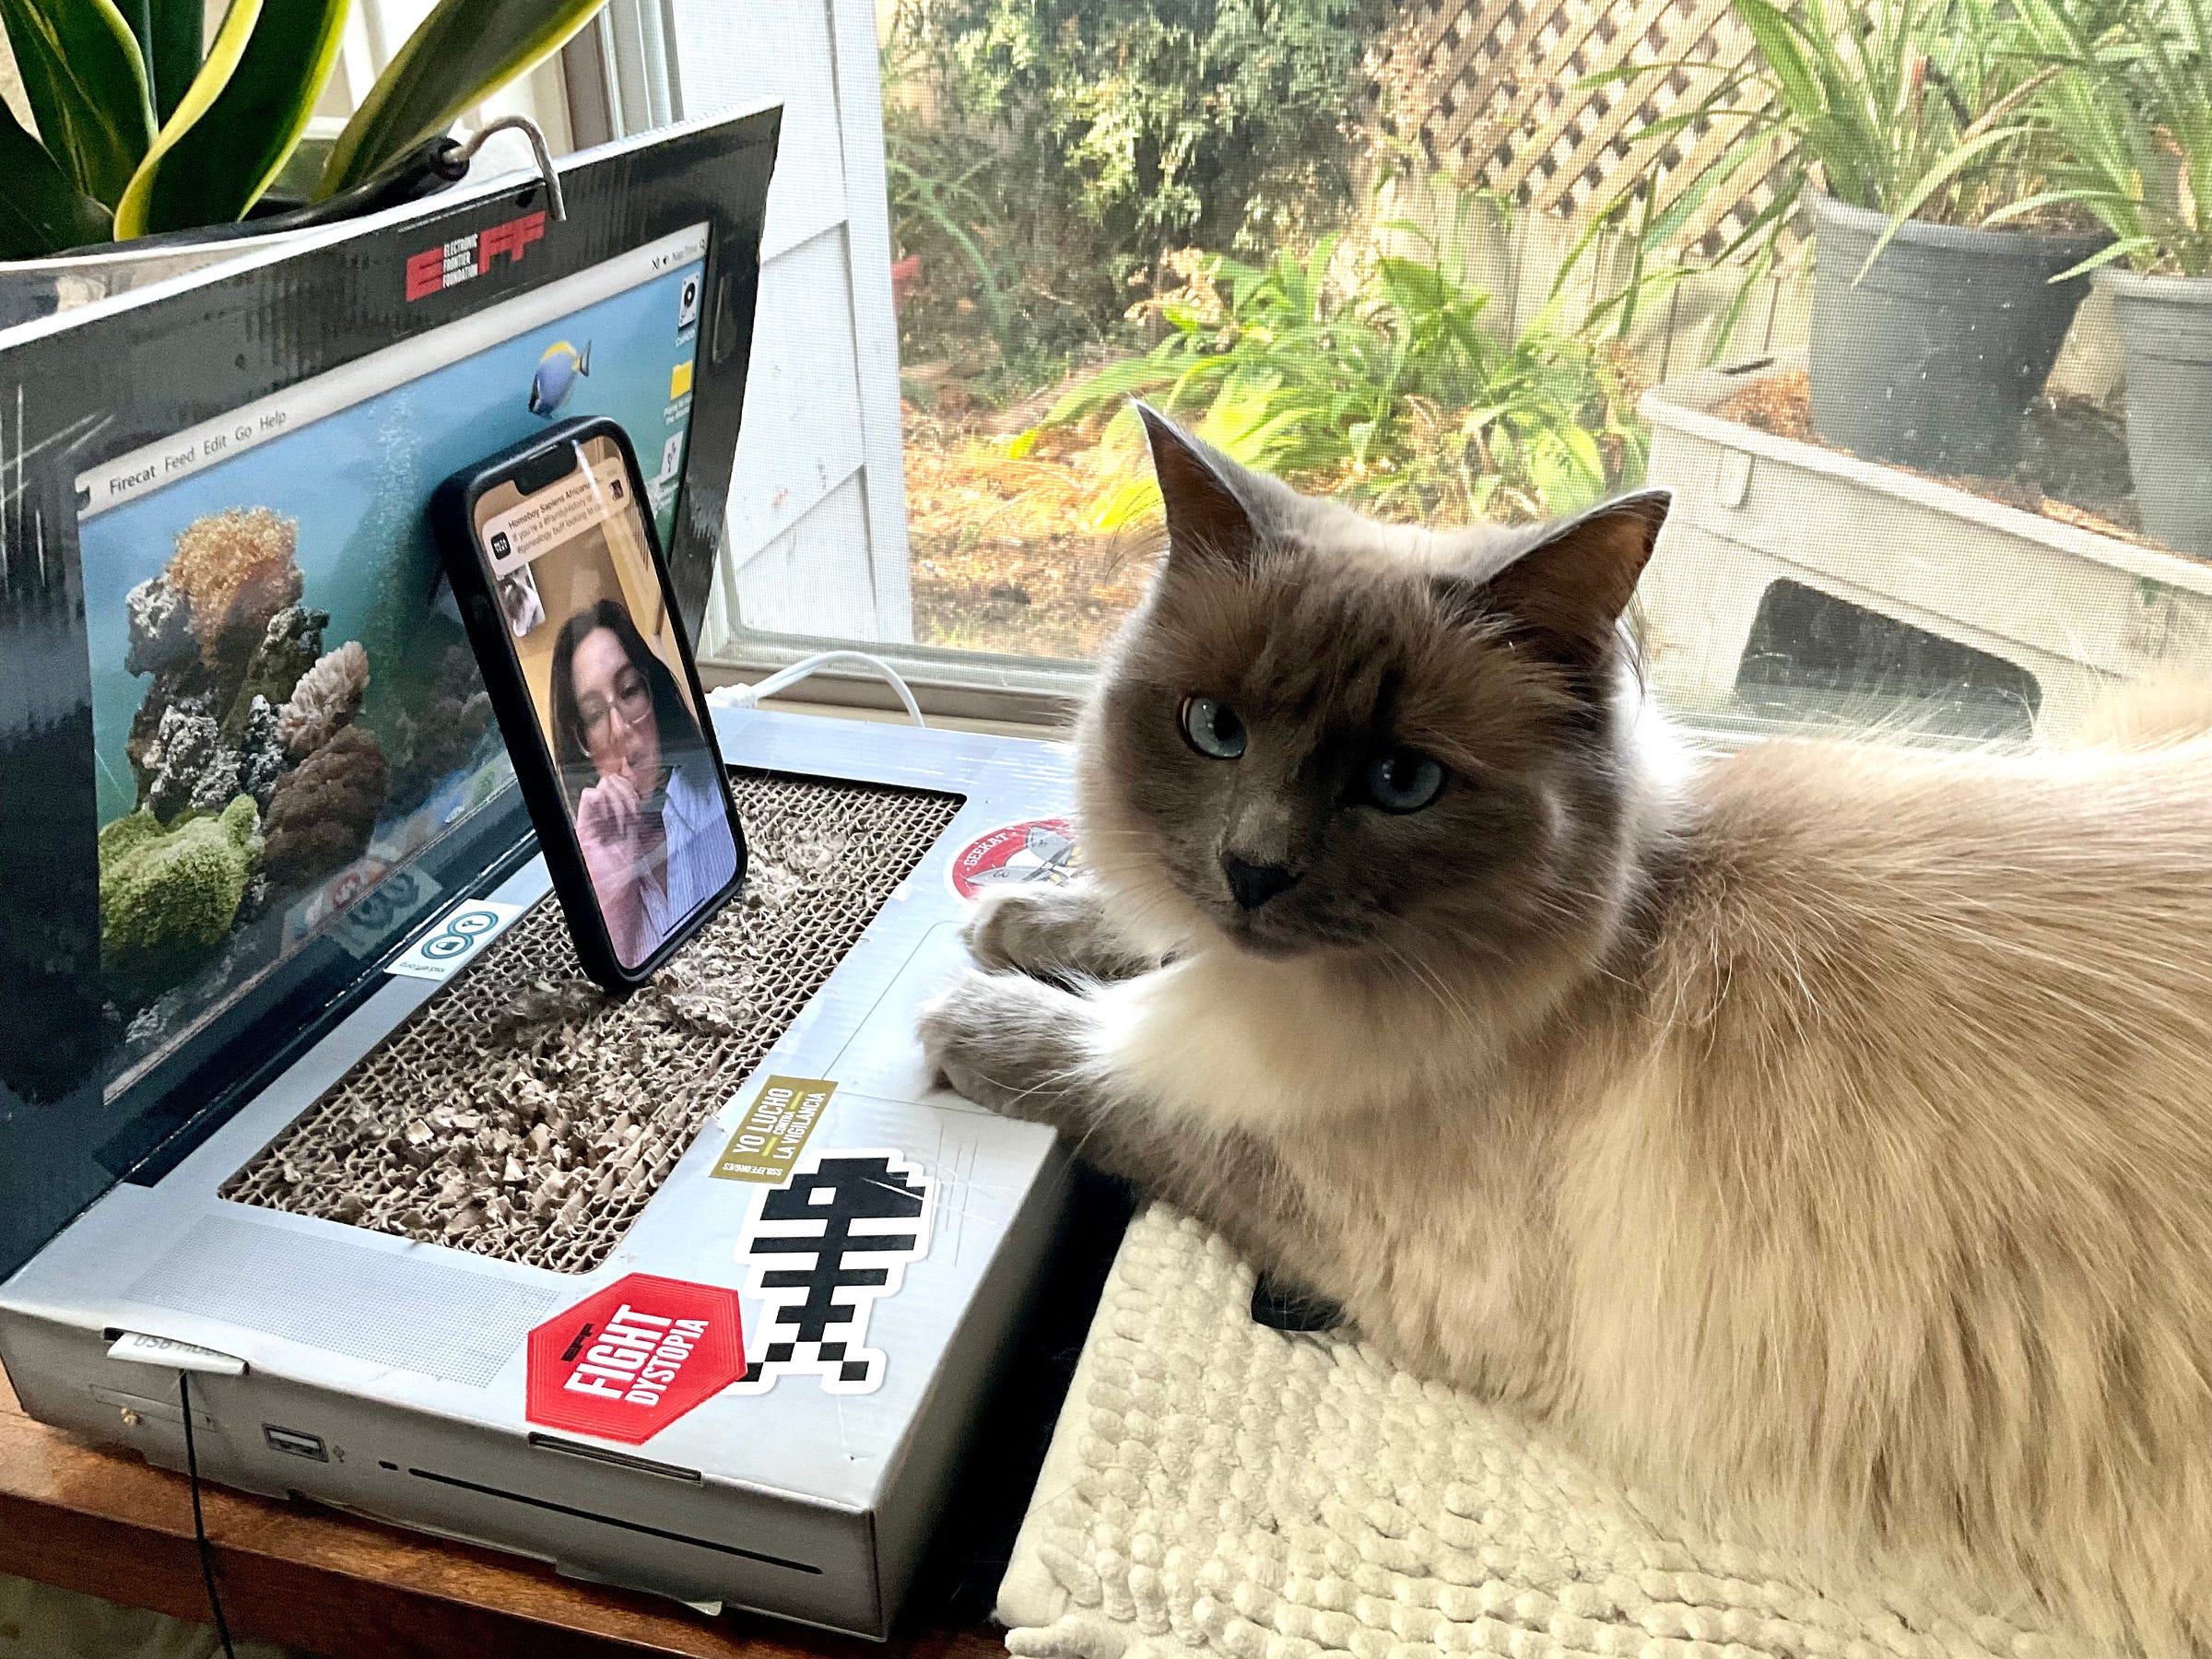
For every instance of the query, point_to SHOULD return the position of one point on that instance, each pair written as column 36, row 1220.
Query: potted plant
column 2132, row 109
column 151, row 139
column 1906, row 127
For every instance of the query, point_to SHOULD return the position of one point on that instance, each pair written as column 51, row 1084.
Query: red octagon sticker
column 627, row 1362
column 1034, row 850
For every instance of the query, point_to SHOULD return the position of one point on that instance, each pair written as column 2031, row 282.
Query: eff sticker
column 469, row 257
column 441, row 953
column 822, row 1251
column 1036, row 849
column 766, row 1147
column 627, row 1362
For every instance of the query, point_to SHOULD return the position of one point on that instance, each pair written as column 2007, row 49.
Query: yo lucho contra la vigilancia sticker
column 765, row 1144
column 822, row 1251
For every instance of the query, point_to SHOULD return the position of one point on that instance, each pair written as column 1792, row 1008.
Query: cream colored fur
column 1869, row 1199
column 1821, row 1132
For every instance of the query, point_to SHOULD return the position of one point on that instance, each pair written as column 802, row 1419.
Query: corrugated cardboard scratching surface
column 525, row 1114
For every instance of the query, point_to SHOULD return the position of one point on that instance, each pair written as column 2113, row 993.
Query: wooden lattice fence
column 1491, row 92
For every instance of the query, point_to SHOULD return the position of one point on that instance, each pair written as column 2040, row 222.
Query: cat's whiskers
column 1823, row 1132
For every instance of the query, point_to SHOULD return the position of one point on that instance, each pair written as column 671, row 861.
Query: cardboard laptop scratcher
column 301, row 1090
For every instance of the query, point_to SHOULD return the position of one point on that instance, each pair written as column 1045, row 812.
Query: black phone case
column 452, row 519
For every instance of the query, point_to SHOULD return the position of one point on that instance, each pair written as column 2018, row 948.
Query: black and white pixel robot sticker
column 823, row 1249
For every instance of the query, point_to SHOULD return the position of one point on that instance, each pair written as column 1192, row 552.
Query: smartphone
column 566, row 596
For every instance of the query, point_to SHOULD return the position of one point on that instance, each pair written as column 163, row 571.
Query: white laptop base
column 760, row 1399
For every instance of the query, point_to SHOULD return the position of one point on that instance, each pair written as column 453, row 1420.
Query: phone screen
column 601, row 657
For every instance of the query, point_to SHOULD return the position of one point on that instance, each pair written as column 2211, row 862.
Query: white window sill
column 964, row 690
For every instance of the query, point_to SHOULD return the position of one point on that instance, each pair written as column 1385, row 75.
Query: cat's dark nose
column 1254, row 884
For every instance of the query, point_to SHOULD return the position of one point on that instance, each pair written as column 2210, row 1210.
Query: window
column 1910, row 361
column 1810, row 650
column 376, row 29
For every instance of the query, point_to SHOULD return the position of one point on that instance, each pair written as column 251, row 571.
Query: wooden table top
column 107, row 1523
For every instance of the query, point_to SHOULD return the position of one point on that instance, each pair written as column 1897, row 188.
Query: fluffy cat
column 1822, row 1135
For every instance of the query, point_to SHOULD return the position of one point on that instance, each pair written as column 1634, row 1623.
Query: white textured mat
column 1216, row 1487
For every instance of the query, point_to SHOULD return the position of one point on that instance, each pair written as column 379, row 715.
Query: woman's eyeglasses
column 632, row 700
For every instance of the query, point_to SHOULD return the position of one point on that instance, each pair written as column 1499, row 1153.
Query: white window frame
column 624, row 75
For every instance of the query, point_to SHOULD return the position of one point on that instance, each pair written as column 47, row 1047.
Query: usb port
column 293, row 1443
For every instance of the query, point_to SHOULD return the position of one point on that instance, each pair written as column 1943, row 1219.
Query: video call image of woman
column 639, row 781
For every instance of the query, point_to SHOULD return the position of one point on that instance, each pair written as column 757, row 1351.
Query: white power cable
column 747, row 697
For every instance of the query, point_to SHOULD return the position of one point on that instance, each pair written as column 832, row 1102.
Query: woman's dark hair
column 671, row 714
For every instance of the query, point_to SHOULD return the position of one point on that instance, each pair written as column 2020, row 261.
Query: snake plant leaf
column 224, row 54
column 169, row 34
column 210, row 170
column 87, row 88
column 42, row 212
column 465, row 51
column 138, row 17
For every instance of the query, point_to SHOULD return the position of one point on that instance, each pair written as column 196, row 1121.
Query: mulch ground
column 2071, row 466
column 1001, row 556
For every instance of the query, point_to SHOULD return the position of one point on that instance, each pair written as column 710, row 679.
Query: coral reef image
column 326, row 698
column 430, row 747
column 271, row 624
column 321, row 814
column 169, row 894
column 220, row 633
column 289, row 648
column 255, row 773
column 236, row 571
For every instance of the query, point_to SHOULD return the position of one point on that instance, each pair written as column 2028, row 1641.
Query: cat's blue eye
column 1403, row 781
column 1212, row 728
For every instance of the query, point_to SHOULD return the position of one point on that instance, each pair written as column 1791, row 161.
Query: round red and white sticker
column 1033, row 849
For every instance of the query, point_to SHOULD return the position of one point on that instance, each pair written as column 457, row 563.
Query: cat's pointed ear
column 1207, row 520
column 1571, row 586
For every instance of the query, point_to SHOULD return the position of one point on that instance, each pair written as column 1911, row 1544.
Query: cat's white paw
column 1004, row 1041
column 1051, row 933
column 1012, row 928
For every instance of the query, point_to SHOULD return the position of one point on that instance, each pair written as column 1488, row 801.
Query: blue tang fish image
column 555, row 376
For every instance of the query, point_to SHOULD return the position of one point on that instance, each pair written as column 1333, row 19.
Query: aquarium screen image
column 286, row 710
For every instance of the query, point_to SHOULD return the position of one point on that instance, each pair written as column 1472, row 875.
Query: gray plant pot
column 1929, row 360
column 31, row 289
column 2165, row 332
